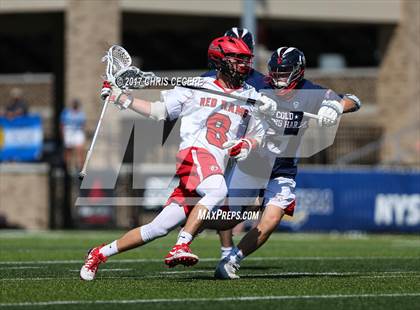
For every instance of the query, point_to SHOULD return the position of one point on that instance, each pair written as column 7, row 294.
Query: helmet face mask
column 284, row 76
column 281, row 79
column 239, row 66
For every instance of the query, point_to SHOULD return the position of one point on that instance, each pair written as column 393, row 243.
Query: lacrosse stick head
column 117, row 58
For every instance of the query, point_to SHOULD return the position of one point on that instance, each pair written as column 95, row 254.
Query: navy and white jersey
column 255, row 79
column 306, row 97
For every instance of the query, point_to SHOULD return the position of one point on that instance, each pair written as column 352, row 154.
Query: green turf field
column 292, row 271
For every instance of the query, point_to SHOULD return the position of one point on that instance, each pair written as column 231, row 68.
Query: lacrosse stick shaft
column 82, row 173
column 117, row 58
column 242, row 98
column 132, row 75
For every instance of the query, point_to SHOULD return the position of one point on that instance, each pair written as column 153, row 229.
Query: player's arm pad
column 158, row 111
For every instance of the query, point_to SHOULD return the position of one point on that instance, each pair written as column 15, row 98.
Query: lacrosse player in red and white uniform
column 209, row 124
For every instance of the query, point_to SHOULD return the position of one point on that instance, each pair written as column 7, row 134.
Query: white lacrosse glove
column 329, row 112
column 122, row 99
column 269, row 106
column 239, row 149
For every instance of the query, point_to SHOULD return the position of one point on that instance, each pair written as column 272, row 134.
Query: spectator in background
column 72, row 124
column 16, row 106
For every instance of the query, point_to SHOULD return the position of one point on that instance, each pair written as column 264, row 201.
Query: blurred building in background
column 52, row 50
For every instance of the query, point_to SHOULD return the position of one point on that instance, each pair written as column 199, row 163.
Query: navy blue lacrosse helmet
column 286, row 67
column 243, row 34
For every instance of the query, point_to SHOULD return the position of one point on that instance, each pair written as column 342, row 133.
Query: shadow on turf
column 211, row 268
column 267, row 276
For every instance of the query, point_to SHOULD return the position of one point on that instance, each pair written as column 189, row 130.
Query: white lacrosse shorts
column 280, row 192
column 73, row 137
column 244, row 188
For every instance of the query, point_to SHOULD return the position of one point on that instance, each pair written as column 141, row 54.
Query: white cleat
column 91, row 265
column 226, row 270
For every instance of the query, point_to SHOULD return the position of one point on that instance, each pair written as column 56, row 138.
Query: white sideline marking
column 170, row 300
column 76, row 278
column 106, row 270
column 186, row 271
column 374, row 274
column 21, row 267
column 34, row 279
column 252, row 258
column 392, row 276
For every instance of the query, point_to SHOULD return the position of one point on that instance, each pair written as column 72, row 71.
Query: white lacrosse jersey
column 209, row 120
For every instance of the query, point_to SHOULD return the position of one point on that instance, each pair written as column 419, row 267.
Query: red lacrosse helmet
column 232, row 57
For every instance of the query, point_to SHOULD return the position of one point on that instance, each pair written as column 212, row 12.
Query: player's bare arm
column 123, row 99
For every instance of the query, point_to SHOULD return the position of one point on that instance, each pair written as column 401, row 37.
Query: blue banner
column 21, row 138
column 361, row 199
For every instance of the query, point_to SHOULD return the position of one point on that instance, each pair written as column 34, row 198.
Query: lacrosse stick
column 117, row 59
column 133, row 78
column 241, row 98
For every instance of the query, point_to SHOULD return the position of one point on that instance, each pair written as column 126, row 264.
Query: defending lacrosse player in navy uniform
column 281, row 146
column 259, row 82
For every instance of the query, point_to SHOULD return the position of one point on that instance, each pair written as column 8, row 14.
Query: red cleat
column 92, row 261
column 181, row 254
